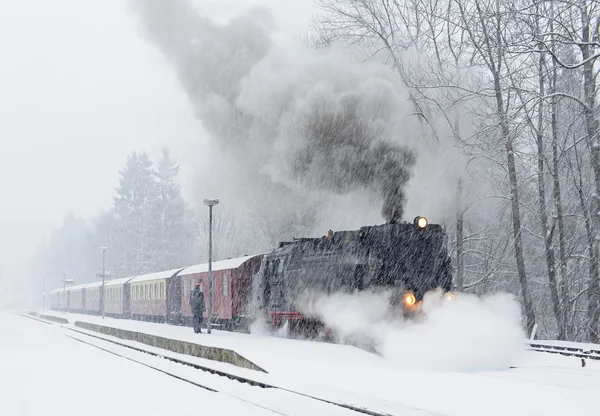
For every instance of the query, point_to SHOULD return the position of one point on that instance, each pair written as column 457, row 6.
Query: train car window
column 155, row 290
column 150, row 293
column 162, row 291
column 137, row 292
column 145, row 292
column 225, row 285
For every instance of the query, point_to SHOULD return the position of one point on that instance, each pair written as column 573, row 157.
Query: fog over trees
column 509, row 85
column 515, row 83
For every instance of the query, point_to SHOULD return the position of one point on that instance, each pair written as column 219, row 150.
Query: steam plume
column 306, row 120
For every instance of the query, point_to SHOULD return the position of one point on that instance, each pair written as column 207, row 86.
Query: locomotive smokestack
column 310, row 121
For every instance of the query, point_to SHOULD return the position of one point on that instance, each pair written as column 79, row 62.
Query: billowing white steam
column 467, row 333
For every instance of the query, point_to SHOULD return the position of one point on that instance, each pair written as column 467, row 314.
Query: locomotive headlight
column 449, row 295
column 421, row 222
column 409, row 299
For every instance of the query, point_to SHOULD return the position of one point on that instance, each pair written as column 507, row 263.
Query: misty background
column 119, row 118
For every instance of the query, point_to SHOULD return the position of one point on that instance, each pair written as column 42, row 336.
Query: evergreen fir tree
column 136, row 222
column 173, row 244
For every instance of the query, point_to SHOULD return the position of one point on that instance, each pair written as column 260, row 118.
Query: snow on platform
column 42, row 372
column 278, row 356
column 541, row 384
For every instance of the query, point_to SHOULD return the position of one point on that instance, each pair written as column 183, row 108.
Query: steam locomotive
column 407, row 259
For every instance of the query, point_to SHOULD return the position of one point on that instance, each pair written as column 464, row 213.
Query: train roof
column 217, row 265
column 78, row 287
column 119, row 281
column 167, row 274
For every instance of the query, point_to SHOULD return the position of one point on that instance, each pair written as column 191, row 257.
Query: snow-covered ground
column 43, row 372
column 540, row 384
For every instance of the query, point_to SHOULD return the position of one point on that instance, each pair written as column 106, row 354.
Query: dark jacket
column 197, row 301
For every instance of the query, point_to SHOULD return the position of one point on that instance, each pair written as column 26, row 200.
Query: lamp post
column 103, row 277
column 44, row 294
column 211, row 202
column 65, row 282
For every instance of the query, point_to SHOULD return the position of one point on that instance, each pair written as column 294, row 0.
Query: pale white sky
column 80, row 89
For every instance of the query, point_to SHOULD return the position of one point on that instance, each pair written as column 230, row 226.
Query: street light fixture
column 103, row 277
column 211, row 202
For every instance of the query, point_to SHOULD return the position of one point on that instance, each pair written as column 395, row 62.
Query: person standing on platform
column 197, row 304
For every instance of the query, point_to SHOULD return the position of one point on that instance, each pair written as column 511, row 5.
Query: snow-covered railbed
column 130, row 349
column 44, row 372
column 539, row 384
column 258, row 394
column 229, row 379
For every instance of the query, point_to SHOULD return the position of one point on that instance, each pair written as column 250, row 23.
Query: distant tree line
column 150, row 227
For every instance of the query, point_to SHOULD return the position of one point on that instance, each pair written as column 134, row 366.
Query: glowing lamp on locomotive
column 421, row 222
column 410, row 300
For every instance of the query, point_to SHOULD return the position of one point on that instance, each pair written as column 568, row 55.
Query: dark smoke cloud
column 311, row 121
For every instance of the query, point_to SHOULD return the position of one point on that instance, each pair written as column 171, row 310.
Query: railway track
column 570, row 351
column 132, row 353
column 92, row 341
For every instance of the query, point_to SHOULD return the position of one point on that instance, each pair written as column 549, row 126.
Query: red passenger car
column 232, row 290
column 118, row 297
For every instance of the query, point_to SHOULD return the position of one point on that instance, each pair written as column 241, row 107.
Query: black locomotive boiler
column 407, row 259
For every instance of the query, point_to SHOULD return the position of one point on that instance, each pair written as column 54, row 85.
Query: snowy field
column 538, row 383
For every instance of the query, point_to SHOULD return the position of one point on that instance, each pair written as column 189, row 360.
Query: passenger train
column 409, row 259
